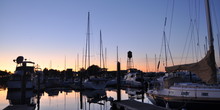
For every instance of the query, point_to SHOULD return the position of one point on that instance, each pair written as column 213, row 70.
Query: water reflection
column 15, row 100
column 134, row 93
column 68, row 99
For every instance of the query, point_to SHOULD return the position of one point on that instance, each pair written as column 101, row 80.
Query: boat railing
column 193, row 85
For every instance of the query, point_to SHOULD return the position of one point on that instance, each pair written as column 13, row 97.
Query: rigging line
column 103, row 60
column 190, row 43
column 165, row 49
column 218, row 45
column 190, row 25
column 166, row 15
column 161, row 49
column 206, row 43
column 197, row 33
column 168, row 47
column 196, row 23
column 167, row 7
column 171, row 20
column 190, row 9
column 216, row 21
column 195, row 52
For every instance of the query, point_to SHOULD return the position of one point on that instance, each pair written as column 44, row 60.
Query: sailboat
column 93, row 82
column 173, row 91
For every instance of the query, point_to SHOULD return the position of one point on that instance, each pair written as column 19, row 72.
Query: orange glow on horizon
column 58, row 63
column 10, row 66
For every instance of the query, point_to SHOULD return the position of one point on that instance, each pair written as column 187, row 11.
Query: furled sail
column 204, row 69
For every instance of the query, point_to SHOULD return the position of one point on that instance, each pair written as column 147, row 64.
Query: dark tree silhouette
column 93, row 70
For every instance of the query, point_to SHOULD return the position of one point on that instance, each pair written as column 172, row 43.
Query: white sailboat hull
column 95, row 84
column 184, row 94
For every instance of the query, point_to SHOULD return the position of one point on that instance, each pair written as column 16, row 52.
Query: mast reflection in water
column 66, row 99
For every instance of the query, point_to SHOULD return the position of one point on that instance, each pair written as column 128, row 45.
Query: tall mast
column 209, row 24
column 106, row 58
column 88, row 35
column 102, row 60
column 211, row 41
column 87, row 55
column 100, row 49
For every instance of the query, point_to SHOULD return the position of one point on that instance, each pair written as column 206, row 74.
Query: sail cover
column 204, row 69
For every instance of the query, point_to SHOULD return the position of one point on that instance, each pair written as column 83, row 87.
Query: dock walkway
column 19, row 107
column 134, row 105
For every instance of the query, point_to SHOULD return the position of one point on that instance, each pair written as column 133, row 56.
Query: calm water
column 67, row 99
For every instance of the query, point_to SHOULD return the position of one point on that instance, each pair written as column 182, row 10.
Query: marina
column 64, row 69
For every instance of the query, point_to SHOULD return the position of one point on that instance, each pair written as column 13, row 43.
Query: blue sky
column 49, row 30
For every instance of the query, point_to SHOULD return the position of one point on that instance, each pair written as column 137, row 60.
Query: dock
column 19, row 107
column 134, row 105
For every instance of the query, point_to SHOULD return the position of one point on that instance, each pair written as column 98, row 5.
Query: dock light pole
column 118, row 81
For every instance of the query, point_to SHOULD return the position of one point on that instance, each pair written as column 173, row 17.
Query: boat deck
column 134, row 105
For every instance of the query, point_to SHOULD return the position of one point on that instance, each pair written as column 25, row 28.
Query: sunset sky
column 50, row 31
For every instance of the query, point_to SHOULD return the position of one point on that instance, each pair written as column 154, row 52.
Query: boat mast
column 209, row 24
column 87, row 43
column 100, row 49
column 102, row 60
column 211, row 39
column 88, row 35
column 106, row 58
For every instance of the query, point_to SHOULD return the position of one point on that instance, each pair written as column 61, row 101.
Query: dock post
column 23, row 85
column 80, row 93
column 142, row 87
column 38, row 90
column 80, row 81
column 118, row 81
